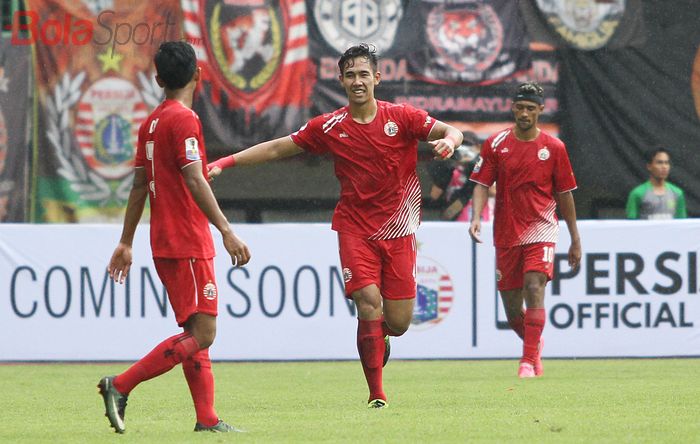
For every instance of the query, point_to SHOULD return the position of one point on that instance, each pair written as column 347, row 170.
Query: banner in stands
column 96, row 84
column 257, row 74
column 15, row 119
column 630, row 298
column 619, row 104
column 460, row 60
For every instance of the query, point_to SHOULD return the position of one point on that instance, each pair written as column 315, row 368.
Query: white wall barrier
column 636, row 294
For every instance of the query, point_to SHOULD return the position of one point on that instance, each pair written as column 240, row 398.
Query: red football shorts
column 390, row 264
column 513, row 262
column 191, row 286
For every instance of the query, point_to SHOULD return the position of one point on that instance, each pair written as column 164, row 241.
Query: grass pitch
column 587, row 401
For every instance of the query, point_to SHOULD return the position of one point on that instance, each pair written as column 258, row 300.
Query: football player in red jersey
column 374, row 148
column 170, row 169
column 534, row 176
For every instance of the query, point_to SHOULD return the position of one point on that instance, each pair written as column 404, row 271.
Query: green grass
column 430, row 401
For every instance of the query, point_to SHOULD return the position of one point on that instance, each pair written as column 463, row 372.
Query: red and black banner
column 257, row 74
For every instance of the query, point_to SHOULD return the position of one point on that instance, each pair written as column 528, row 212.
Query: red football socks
column 534, row 324
column 518, row 324
column 165, row 356
column 370, row 345
column 200, row 379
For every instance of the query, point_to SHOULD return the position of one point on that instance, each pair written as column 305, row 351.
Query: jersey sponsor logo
column 391, row 128
column 192, row 148
column 109, row 115
column 543, row 154
column 344, row 23
column 209, row 291
column 584, row 24
column 347, row 275
column 467, row 38
column 434, row 295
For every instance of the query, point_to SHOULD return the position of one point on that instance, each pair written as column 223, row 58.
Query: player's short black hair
column 530, row 91
column 176, row 63
column 650, row 154
column 362, row 50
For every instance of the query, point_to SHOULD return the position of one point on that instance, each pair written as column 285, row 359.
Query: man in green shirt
column 657, row 198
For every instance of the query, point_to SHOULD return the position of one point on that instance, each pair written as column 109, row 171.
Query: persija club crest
column 435, row 293
column 108, row 118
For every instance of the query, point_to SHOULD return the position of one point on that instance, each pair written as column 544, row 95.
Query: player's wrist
column 452, row 141
column 224, row 162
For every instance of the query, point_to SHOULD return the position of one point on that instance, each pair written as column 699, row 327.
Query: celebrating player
column 374, row 147
column 533, row 174
column 170, row 167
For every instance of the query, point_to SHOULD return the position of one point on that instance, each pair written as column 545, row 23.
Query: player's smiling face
column 359, row 79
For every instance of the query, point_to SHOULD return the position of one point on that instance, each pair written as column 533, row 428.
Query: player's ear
column 377, row 77
column 159, row 81
column 197, row 74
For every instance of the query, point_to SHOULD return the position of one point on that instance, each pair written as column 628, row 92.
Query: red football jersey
column 169, row 140
column 380, row 195
column 527, row 174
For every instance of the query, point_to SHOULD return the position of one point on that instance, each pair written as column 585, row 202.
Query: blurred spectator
column 657, row 198
column 451, row 185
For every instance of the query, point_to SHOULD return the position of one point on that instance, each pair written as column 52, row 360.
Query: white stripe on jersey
column 406, row 218
column 333, row 121
column 499, row 138
column 546, row 230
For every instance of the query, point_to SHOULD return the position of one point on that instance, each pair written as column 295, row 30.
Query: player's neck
column 365, row 112
column 526, row 136
column 182, row 95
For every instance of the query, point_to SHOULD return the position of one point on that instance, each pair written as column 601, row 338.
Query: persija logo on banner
column 28, row 28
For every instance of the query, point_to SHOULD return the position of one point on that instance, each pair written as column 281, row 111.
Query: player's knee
column 397, row 326
column 534, row 288
column 205, row 339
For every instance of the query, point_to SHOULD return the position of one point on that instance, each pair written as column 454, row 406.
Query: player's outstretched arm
column 567, row 208
column 260, row 153
column 120, row 262
column 204, row 197
column 445, row 139
column 479, row 198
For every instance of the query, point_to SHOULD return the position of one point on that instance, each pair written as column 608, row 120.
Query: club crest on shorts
column 347, row 275
column 434, row 294
column 543, row 154
column 499, row 275
column 391, row 128
column 210, row 291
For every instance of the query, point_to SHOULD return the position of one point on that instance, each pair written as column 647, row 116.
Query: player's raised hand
column 475, row 230
column 237, row 249
column 120, row 263
column 443, row 148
